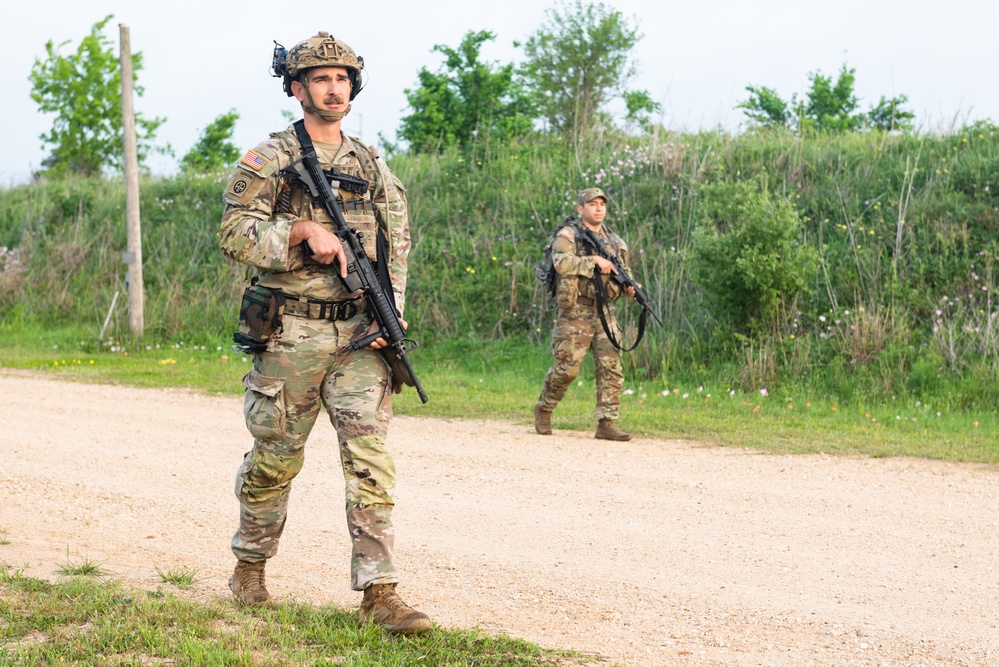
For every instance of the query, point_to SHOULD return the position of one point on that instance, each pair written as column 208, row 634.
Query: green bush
column 747, row 255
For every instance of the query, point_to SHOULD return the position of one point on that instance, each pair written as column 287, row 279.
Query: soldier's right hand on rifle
column 605, row 266
column 323, row 245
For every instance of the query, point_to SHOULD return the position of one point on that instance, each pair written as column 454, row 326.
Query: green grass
column 501, row 380
column 180, row 577
column 82, row 621
column 83, row 567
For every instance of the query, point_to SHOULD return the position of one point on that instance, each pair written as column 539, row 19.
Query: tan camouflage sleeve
column 250, row 232
column 565, row 259
column 392, row 211
column 622, row 255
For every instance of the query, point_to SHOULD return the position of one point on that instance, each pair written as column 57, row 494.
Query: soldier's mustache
column 333, row 99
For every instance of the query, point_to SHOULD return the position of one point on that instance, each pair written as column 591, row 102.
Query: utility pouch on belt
column 259, row 317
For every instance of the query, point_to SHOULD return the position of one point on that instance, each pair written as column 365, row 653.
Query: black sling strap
column 598, row 284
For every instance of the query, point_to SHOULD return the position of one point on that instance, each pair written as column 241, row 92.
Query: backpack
column 545, row 269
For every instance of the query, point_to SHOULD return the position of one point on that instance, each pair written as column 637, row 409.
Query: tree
column 828, row 107
column 888, row 114
column 578, row 60
column 765, row 107
column 213, row 149
column 466, row 99
column 83, row 89
column 640, row 107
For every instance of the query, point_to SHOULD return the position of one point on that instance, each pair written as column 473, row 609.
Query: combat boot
column 247, row 583
column 606, row 430
column 382, row 605
column 542, row 421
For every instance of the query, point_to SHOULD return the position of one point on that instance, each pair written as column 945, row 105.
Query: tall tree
column 465, row 99
column 213, row 149
column 83, row 89
column 578, row 60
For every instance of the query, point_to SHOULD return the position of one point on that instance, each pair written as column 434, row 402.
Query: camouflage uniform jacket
column 262, row 202
column 575, row 268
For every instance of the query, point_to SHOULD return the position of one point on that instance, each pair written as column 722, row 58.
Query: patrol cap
column 589, row 194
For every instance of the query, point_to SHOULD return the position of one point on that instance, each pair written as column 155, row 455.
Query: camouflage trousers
column 577, row 331
column 307, row 366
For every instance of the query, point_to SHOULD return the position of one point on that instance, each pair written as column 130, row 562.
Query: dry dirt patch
column 652, row 552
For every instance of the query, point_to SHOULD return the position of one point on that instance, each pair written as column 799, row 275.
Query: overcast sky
column 203, row 58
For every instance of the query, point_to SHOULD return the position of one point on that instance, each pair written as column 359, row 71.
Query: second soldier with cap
column 578, row 329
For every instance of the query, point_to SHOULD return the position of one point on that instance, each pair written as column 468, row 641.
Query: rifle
column 360, row 274
column 621, row 277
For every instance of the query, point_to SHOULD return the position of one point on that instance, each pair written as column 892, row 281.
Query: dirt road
column 653, row 552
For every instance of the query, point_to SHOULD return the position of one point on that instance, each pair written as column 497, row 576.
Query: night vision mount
column 279, row 66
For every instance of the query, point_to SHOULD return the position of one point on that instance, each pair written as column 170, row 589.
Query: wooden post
column 136, row 291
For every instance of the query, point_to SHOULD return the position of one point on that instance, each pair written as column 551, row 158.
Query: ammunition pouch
column 259, row 318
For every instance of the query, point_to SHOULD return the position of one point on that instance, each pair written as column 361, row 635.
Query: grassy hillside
column 903, row 231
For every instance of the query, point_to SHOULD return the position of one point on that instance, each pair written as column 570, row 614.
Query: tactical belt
column 355, row 205
column 321, row 310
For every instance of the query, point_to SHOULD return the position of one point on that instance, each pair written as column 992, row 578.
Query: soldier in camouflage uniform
column 308, row 363
column 578, row 328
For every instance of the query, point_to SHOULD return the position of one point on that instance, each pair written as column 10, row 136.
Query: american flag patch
column 254, row 160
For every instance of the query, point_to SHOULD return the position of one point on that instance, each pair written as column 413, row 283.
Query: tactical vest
column 584, row 286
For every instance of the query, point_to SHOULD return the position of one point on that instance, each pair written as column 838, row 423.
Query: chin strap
column 331, row 116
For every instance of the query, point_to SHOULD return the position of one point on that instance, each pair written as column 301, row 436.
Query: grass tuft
column 180, row 577
column 83, row 567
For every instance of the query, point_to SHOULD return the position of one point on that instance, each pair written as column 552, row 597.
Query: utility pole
column 136, row 291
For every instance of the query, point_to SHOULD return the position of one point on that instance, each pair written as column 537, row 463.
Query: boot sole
column 410, row 627
column 415, row 627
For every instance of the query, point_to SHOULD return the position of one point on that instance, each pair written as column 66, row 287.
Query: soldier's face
column 330, row 88
column 593, row 212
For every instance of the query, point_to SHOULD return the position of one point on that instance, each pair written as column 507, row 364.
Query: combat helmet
column 322, row 50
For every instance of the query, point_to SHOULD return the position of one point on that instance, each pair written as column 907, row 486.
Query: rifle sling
column 598, row 283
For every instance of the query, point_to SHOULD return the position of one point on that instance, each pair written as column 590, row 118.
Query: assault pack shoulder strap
column 544, row 270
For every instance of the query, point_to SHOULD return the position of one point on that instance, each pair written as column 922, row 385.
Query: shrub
column 748, row 257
